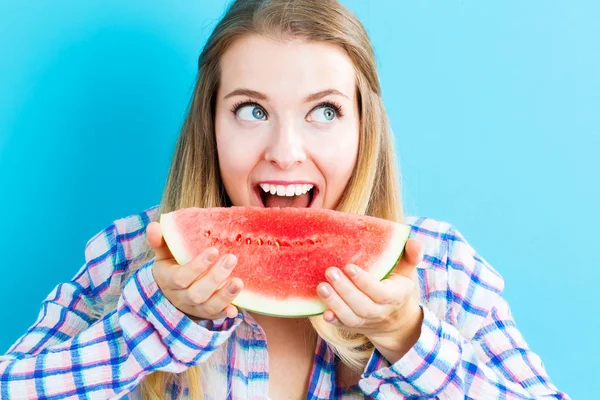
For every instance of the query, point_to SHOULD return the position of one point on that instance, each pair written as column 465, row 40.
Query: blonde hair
column 194, row 179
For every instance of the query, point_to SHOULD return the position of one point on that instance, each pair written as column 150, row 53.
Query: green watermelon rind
column 173, row 239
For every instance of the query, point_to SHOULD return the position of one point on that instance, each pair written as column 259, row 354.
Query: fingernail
column 351, row 270
column 324, row 291
column 334, row 275
column 233, row 288
column 229, row 261
column 212, row 255
column 329, row 318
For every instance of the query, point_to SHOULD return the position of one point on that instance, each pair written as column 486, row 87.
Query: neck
column 291, row 346
column 286, row 330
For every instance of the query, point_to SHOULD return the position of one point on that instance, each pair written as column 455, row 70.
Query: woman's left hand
column 380, row 310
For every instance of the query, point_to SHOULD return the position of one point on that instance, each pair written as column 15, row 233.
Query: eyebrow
column 262, row 96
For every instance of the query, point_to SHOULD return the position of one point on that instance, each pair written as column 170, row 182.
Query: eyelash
column 329, row 104
column 324, row 104
column 236, row 107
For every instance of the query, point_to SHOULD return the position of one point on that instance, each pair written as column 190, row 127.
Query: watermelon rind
column 390, row 257
column 291, row 307
column 174, row 239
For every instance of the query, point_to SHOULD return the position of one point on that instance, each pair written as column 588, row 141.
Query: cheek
column 337, row 155
column 227, row 162
column 237, row 157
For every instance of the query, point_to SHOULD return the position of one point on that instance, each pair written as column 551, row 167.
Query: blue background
column 494, row 107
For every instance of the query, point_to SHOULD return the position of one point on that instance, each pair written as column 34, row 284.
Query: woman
column 287, row 94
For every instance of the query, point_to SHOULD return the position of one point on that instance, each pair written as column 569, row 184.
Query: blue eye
column 325, row 113
column 328, row 113
column 251, row 113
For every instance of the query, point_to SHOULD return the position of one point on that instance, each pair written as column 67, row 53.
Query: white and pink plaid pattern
column 469, row 348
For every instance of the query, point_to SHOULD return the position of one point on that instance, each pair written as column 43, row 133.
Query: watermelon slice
column 283, row 252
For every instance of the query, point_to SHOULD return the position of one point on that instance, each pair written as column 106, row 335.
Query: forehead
column 286, row 70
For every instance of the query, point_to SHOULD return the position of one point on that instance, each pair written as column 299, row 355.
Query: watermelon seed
column 248, row 241
column 207, row 233
column 238, row 239
column 269, row 243
column 310, row 241
column 259, row 241
column 277, row 244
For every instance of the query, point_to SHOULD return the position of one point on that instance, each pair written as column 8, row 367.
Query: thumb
column 411, row 257
column 157, row 242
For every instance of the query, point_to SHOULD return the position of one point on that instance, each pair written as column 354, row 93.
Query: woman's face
column 287, row 124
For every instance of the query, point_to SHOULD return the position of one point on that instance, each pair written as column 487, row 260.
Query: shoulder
column 457, row 283
column 109, row 252
column 131, row 233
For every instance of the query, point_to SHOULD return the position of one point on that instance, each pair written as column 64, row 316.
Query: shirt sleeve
column 68, row 352
column 448, row 362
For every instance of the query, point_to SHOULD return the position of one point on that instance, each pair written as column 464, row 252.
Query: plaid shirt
column 469, row 346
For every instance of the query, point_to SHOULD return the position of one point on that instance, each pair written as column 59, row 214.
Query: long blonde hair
column 194, row 179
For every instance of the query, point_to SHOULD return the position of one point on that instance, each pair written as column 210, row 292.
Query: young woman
column 287, row 96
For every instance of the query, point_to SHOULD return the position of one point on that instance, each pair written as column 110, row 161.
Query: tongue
column 301, row 201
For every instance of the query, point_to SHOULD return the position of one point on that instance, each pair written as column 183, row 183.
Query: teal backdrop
column 494, row 105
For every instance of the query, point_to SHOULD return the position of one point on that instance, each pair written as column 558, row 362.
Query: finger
column 371, row 287
column 335, row 303
column 201, row 290
column 399, row 287
column 157, row 241
column 220, row 301
column 231, row 311
column 410, row 257
column 182, row 277
column 330, row 317
column 361, row 304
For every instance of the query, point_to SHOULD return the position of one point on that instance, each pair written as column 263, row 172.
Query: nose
column 286, row 147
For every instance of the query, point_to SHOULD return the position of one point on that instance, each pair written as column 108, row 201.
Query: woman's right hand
column 201, row 288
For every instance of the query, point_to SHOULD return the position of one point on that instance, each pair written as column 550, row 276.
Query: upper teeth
column 286, row 190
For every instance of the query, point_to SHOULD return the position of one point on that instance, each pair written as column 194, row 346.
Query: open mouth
column 300, row 195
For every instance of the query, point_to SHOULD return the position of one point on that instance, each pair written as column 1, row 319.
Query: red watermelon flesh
column 283, row 252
